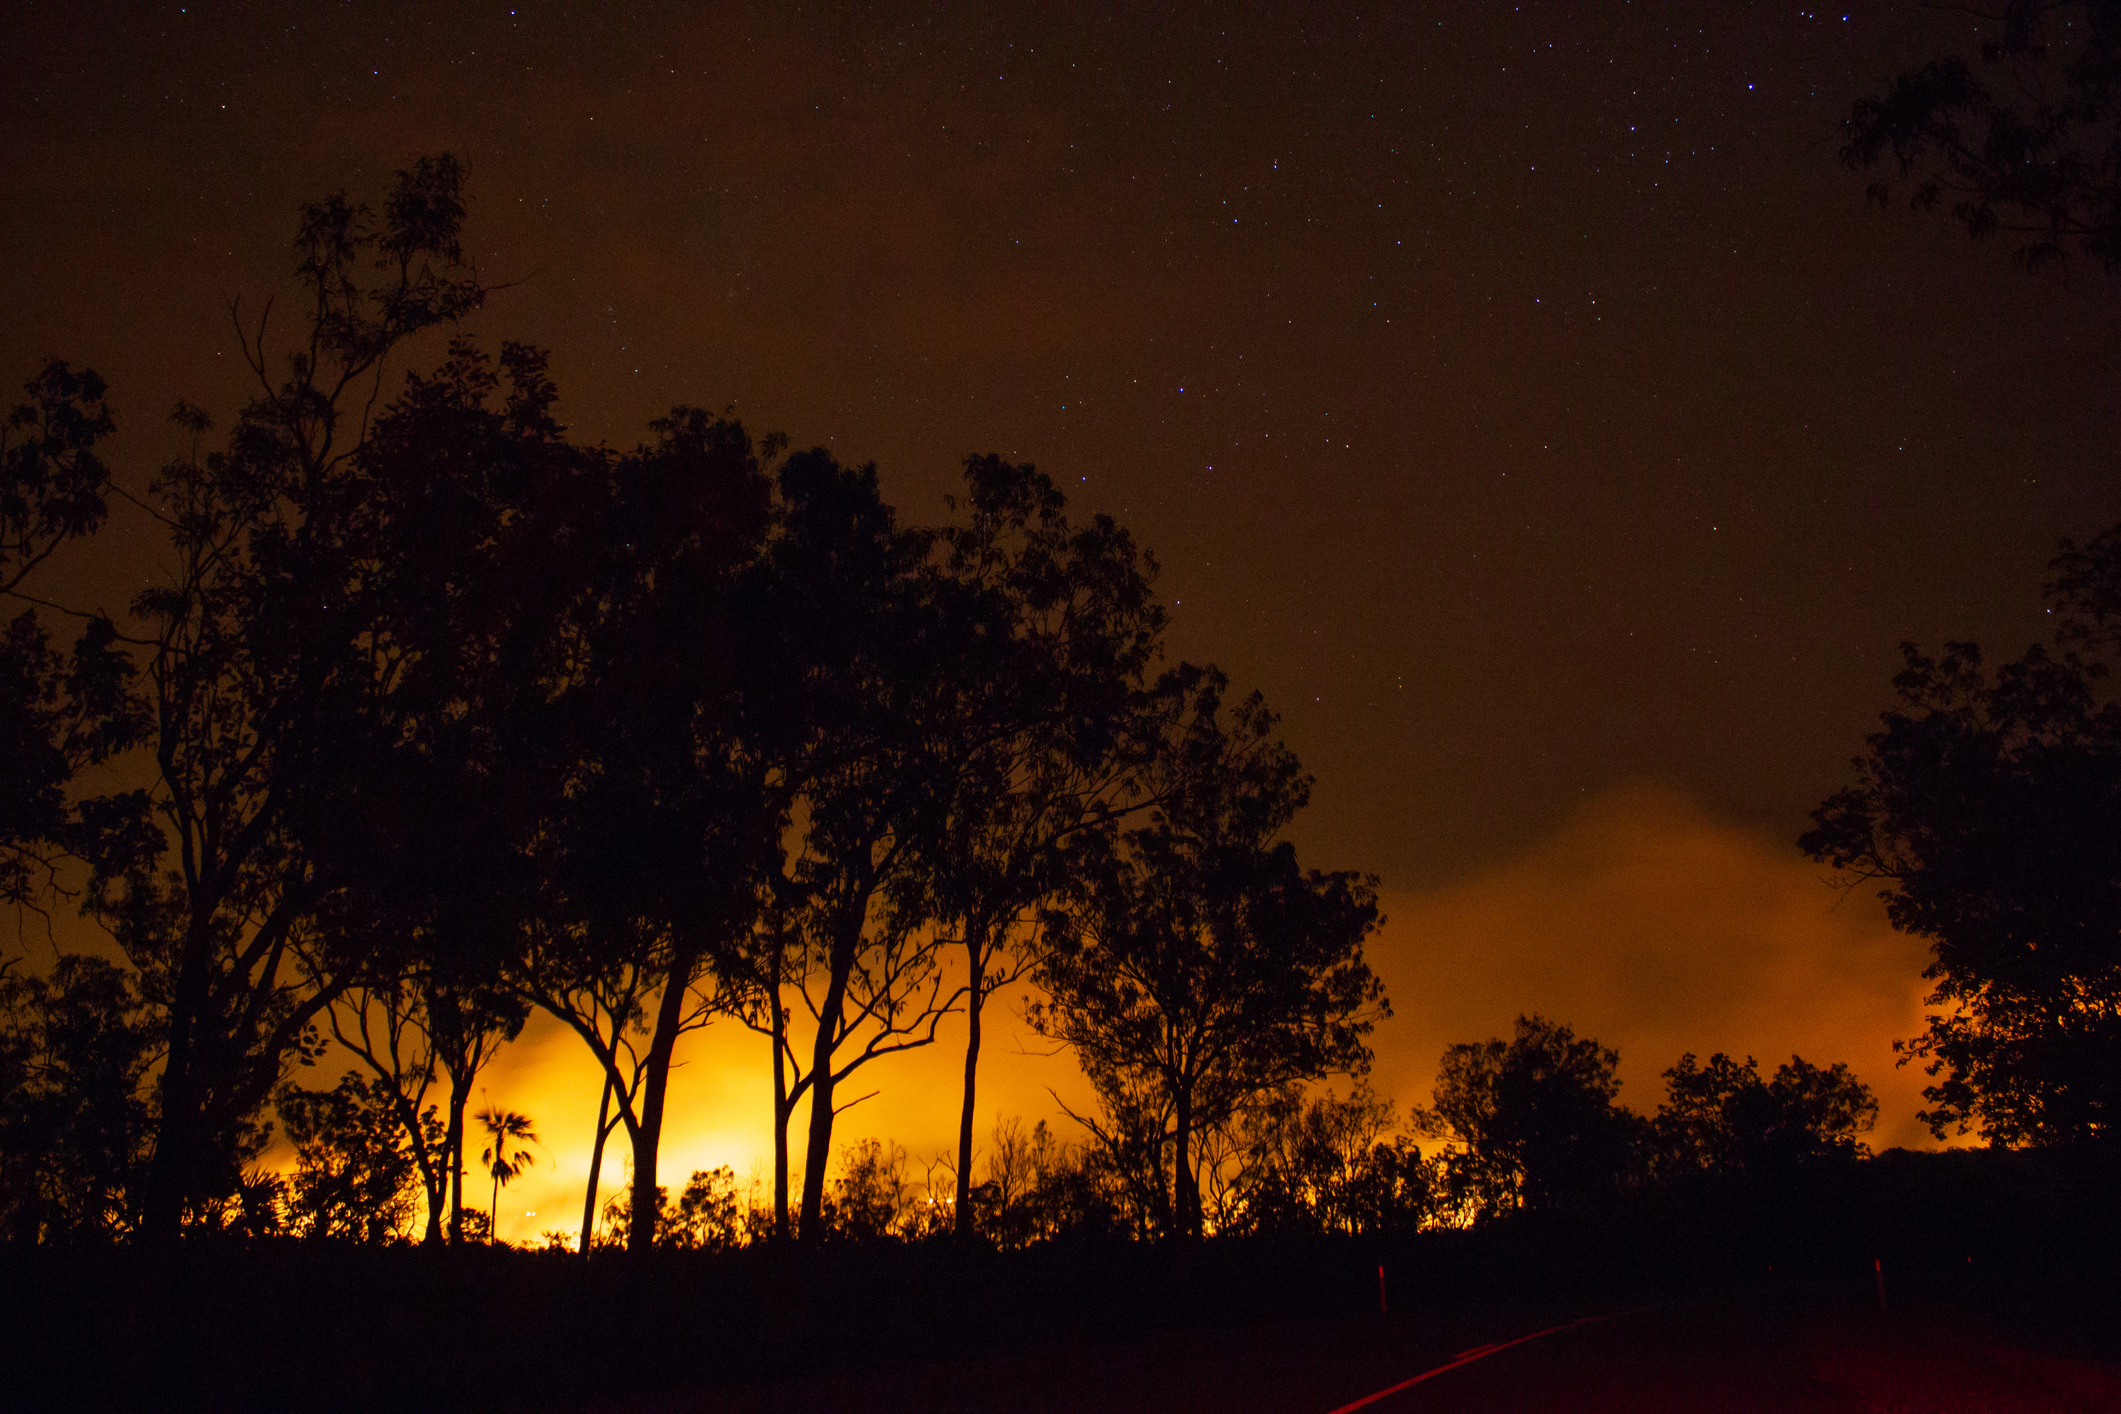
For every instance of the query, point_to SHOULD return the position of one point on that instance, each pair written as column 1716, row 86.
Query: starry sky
column 1524, row 398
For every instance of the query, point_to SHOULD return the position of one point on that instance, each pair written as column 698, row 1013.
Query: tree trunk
column 783, row 1110
column 596, row 1166
column 434, row 1180
column 975, row 997
column 648, row 1134
column 819, row 1148
column 170, row 1172
column 453, row 1145
column 1184, row 1189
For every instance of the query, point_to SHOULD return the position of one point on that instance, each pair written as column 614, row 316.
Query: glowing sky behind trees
column 1524, row 399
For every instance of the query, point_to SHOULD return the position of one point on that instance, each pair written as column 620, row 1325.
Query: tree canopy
column 1986, row 806
column 2023, row 141
column 1722, row 1118
column 1534, row 1120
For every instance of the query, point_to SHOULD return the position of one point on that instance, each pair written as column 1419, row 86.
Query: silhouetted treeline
column 436, row 718
column 1534, row 1124
column 1529, row 1126
column 432, row 717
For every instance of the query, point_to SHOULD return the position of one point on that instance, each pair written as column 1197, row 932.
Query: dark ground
column 2001, row 1274
column 1802, row 1347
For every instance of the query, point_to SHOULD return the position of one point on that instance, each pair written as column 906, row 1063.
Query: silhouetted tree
column 708, row 1216
column 606, row 1005
column 76, row 1047
column 554, row 669
column 431, row 788
column 673, row 803
column 609, row 986
column 1393, row 1188
column 897, row 706
column 1128, row 1165
column 1002, row 1202
column 1036, row 1189
column 1068, row 628
column 557, row 789
column 504, row 1156
column 409, row 1030
column 1723, row 1118
column 1534, row 1121
column 1198, row 966
column 53, row 485
column 379, row 1025
column 832, row 590
column 871, row 1199
column 354, row 1170
column 2025, row 140
column 199, row 877
column 680, row 783
column 780, row 965
column 58, row 714
column 1987, row 808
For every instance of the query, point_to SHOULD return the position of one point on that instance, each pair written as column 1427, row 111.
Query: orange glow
column 1657, row 928
column 720, row 1113
column 1643, row 921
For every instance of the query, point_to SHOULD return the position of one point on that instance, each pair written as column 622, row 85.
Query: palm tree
column 504, row 1127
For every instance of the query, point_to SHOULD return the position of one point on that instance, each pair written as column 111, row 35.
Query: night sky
column 1524, row 398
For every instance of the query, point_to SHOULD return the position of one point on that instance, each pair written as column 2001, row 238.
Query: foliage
column 75, row 1116
column 1020, row 1167
column 710, row 1214
column 1289, row 1164
column 354, row 1176
column 1986, row 807
column 1533, row 1122
column 872, row 1198
column 255, row 1207
column 2025, row 142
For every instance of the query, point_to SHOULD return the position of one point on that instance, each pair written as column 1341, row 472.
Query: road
column 1739, row 1356
column 1792, row 1351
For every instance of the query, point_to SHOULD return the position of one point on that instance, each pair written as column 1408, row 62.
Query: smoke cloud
column 1658, row 929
